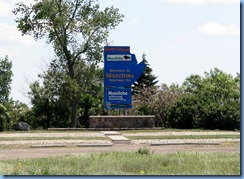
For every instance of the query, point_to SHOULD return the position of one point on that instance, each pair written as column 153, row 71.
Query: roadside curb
column 48, row 146
column 186, row 143
column 94, row 145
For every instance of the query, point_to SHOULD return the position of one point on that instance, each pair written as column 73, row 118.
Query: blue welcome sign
column 120, row 72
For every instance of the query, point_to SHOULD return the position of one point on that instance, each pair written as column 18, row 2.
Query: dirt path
column 12, row 154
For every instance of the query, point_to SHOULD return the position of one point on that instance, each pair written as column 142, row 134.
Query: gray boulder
column 21, row 126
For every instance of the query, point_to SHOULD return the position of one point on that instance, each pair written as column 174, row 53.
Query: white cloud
column 10, row 35
column 5, row 8
column 216, row 29
column 202, row 1
column 135, row 21
column 25, row 1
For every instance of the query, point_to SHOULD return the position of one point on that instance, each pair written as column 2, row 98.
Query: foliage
column 210, row 102
column 77, row 30
column 50, row 99
column 3, row 117
column 17, row 112
column 14, row 112
column 128, row 163
column 144, row 102
column 156, row 100
column 147, row 79
column 5, row 79
column 144, row 151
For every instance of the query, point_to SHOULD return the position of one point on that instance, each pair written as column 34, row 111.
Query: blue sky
column 179, row 38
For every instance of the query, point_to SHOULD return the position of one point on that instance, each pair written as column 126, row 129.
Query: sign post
column 120, row 72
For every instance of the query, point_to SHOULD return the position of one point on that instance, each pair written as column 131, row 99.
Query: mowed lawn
column 140, row 162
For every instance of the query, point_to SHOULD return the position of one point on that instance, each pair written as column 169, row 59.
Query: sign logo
column 118, row 58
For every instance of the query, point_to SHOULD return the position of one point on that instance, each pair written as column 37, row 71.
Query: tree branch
column 73, row 15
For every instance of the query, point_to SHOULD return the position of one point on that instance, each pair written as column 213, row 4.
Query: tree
column 209, row 102
column 50, row 99
column 5, row 79
column 147, row 79
column 3, row 116
column 156, row 100
column 77, row 30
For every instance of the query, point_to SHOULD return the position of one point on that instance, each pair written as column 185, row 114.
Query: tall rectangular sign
column 120, row 72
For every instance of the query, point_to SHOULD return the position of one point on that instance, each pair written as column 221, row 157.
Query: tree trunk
column 74, row 113
column 74, row 101
column 1, row 124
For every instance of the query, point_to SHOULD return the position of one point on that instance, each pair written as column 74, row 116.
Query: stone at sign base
column 122, row 121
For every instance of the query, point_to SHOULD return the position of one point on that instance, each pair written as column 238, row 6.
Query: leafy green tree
column 5, row 79
column 77, row 29
column 49, row 105
column 50, row 99
column 3, row 117
column 147, row 79
column 209, row 102
column 222, row 100
column 91, row 101
column 17, row 112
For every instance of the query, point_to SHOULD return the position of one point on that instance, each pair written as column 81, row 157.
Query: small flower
column 20, row 164
column 141, row 172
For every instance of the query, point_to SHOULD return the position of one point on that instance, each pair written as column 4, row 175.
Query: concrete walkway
column 116, row 137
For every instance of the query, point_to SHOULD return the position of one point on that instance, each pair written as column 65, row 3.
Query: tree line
column 211, row 101
column 71, row 89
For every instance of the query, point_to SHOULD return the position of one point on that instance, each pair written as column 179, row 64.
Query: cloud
column 9, row 35
column 196, row 2
column 216, row 29
column 135, row 21
column 5, row 8
column 25, row 1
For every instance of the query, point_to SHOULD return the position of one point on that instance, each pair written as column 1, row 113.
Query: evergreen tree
column 147, row 79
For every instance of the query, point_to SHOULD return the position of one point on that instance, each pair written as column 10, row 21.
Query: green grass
column 48, row 131
column 172, row 130
column 184, row 137
column 131, row 163
column 51, row 138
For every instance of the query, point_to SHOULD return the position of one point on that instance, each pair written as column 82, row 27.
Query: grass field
column 185, row 137
column 141, row 162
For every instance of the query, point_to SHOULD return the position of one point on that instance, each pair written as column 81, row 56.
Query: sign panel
column 118, row 97
column 120, row 71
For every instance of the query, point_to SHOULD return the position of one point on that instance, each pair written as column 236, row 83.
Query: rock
column 21, row 126
column 16, row 127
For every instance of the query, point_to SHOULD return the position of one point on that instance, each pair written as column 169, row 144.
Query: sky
column 179, row 38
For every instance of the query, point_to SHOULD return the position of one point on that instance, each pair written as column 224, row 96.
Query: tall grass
column 141, row 162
